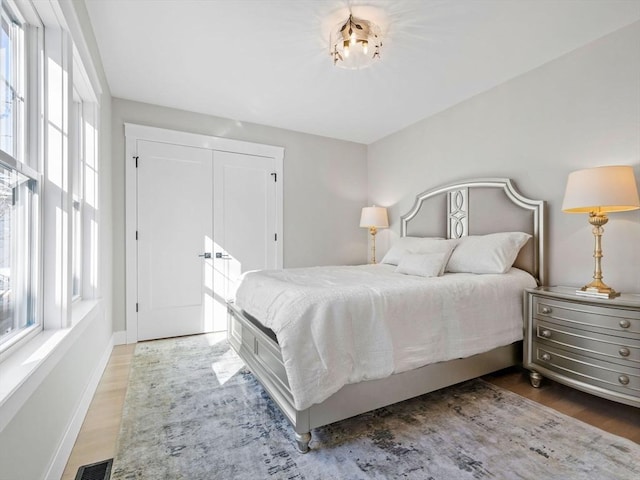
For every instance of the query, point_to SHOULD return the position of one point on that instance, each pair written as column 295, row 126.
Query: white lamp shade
column 374, row 217
column 601, row 189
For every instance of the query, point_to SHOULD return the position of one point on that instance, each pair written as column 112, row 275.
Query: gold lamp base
column 597, row 291
column 373, row 231
column 597, row 288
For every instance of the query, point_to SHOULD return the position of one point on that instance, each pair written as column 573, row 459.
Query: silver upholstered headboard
column 478, row 207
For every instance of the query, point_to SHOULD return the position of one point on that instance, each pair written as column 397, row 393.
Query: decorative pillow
column 493, row 253
column 406, row 245
column 423, row 264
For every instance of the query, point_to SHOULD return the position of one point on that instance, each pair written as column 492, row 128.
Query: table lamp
column 374, row 218
column 598, row 191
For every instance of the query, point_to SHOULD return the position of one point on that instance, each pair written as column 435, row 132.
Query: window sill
column 25, row 369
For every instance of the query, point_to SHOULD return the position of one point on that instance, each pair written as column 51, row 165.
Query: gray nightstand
column 587, row 343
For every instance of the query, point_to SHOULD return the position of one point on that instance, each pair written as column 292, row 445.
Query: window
column 12, row 69
column 17, row 208
column 83, row 208
column 48, row 183
column 18, row 190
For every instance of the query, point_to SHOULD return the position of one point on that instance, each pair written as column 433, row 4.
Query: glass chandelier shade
column 355, row 44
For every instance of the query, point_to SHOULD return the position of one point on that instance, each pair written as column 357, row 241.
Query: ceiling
column 267, row 61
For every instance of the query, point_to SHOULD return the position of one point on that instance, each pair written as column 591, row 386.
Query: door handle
column 222, row 256
column 205, row 255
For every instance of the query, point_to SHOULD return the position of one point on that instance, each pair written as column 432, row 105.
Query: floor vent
column 95, row 471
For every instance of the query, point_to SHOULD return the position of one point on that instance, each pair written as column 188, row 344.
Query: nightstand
column 587, row 343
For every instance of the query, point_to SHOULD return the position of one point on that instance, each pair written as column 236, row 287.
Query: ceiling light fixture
column 355, row 43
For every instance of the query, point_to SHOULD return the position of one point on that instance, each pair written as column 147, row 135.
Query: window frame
column 77, row 199
column 25, row 159
column 85, row 114
column 9, row 342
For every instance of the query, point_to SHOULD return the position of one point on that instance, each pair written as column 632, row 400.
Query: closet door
column 175, row 239
column 201, row 210
column 245, row 218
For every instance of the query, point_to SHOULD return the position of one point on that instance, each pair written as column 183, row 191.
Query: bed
column 282, row 362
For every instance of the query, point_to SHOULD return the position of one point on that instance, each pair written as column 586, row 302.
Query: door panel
column 245, row 219
column 174, row 228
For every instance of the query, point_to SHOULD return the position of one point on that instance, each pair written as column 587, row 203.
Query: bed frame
column 473, row 207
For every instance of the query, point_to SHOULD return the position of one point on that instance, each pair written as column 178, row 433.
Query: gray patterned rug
column 192, row 412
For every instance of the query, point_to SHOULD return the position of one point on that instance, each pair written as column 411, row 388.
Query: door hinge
column 136, row 234
column 275, row 237
column 136, row 307
column 275, row 176
column 136, row 159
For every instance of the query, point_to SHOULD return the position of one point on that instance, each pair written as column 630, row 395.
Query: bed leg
column 302, row 441
column 535, row 378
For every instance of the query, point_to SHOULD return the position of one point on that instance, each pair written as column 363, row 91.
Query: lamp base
column 373, row 231
column 597, row 288
column 597, row 291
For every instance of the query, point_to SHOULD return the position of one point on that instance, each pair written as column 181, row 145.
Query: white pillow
column 406, row 245
column 423, row 264
column 493, row 253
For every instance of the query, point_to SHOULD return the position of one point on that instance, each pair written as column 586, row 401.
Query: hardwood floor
column 98, row 435
column 613, row 417
column 97, row 438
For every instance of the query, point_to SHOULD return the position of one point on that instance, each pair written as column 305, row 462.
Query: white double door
column 203, row 217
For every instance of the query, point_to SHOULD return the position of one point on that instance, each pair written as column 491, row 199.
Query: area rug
column 192, row 411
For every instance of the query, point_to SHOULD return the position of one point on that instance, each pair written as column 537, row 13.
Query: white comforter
column 340, row 325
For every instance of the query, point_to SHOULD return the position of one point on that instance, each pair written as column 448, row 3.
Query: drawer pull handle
column 546, row 357
column 545, row 334
column 546, row 310
column 624, row 352
column 624, row 323
column 623, row 379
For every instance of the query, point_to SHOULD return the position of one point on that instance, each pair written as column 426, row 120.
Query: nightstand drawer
column 589, row 370
column 620, row 350
column 615, row 321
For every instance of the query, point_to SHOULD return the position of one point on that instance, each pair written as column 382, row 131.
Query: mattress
column 347, row 324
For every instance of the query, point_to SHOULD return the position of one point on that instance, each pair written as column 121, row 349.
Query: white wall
column 37, row 440
column 581, row 110
column 325, row 187
column 36, row 443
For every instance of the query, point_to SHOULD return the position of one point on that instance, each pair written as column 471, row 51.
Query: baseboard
column 61, row 457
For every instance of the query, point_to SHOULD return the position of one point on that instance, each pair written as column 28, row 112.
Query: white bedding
column 340, row 325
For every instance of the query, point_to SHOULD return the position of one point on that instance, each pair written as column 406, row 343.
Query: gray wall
column 581, row 110
column 325, row 186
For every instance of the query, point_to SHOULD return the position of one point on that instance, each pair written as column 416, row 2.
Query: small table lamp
column 374, row 218
column 598, row 191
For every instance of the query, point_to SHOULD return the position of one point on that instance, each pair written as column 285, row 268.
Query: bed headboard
column 478, row 207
